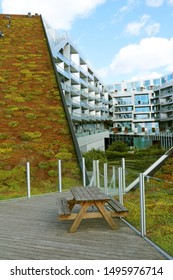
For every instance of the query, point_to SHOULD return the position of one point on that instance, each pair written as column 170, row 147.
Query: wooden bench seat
column 63, row 206
column 117, row 207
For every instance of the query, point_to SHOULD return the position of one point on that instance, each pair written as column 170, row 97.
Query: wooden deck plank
column 29, row 229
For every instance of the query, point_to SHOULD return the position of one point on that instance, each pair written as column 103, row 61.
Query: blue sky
column 122, row 39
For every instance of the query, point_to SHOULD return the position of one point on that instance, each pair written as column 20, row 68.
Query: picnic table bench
column 105, row 206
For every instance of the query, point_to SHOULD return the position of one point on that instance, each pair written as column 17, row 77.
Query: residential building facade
column 86, row 96
column 98, row 110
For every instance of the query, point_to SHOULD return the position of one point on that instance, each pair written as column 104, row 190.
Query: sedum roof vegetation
column 33, row 126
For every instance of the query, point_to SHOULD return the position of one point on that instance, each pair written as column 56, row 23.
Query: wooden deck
column 29, row 229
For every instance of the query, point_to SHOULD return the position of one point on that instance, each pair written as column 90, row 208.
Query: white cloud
column 149, row 55
column 170, row 2
column 145, row 76
column 135, row 27
column 129, row 6
column 60, row 14
column 152, row 29
column 145, row 24
column 154, row 3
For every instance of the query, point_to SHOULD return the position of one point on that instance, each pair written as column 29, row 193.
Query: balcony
column 84, row 105
column 75, row 104
column 83, row 82
column 63, row 72
column 83, row 71
column 75, row 117
column 83, row 93
column 75, row 78
column 63, row 58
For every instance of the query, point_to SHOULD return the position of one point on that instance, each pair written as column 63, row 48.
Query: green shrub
column 13, row 123
column 47, row 164
column 120, row 150
column 27, row 136
column 5, row 150
column 2, row 103
column 19, row 99
column 118, row 147
column 3, row 136
column 31, row 116
column 63, row 154
column 52, row 173
column 94, row 155
column 13, row 179
column 43, row 165
column 113, row 155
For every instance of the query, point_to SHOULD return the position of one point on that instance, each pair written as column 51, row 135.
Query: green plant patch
column 159, row 208
column 13, row 123
column 3, row 136
column 12, row 181
column 64, row 154
column 27, row 136
column 5, row 150
column 64, row 131
column 70, row 182
column 10, row 111
column 19, row 99
column 52, row 173
column 2, row 80
column 2, row 103
column 31, row 116
column 28, row 79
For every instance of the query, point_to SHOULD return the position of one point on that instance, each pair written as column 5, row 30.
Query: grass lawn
column 159, row 209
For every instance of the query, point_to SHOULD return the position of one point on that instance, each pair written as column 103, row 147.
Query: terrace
column 30, row 230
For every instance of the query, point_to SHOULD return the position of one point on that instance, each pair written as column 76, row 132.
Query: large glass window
column 124, row 100
column 163, row 80
column 147, row 83
column 170, row 77
column 125, row 109
column 141, row 99
column 142, row 109
column 141, row 116
column 125, row 116
column 156, row 82
column 118, row 87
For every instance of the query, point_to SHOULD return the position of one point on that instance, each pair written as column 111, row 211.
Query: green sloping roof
column 34, row 124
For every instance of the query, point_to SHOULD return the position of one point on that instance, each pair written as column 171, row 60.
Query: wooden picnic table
column 87, row 197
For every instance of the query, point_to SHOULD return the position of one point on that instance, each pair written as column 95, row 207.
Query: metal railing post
column 28, row 180
column 114, row 177
column 59, row 176
column 98, row 173
column 83, row 172
column 123, row 175
column 94, row 173
column 106, row 178
column 142, row 204
column 120, row 185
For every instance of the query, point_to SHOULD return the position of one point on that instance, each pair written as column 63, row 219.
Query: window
column 142, row 109
column 141, row 99
column 124, row 100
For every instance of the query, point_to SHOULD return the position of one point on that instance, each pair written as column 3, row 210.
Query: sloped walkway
column 29, row 229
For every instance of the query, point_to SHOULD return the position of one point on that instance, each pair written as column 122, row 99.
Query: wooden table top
column 88, row 194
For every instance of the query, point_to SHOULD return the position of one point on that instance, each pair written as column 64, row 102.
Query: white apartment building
column 97, row 111
column 164, row 104
column 143, row 106
column 86, row 97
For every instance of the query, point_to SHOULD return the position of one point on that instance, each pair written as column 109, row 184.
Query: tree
column 118, row 147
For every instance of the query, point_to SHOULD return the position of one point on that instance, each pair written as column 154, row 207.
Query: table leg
column 79, row 217
column 106, row 215
column 71, row 204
